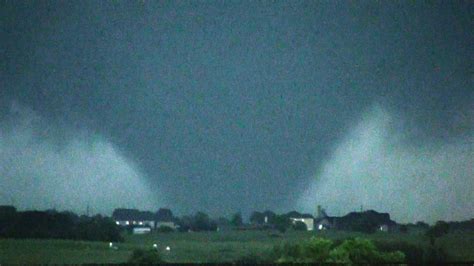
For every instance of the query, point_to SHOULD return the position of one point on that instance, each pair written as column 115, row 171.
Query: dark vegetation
column 429, row 248
column 299, row 226
column 320, row 250
column 357, row 251
column 56, row 225
column 440, row 229
column 237, row 219
column 199, row 222
column 141, row 256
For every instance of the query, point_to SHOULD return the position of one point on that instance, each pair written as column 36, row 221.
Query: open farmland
column 199, row 247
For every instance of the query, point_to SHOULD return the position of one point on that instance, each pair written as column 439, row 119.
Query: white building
column 136, row 222
column 169, row 224
column 141, row 230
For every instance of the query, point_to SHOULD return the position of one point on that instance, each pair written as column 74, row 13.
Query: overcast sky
column 225, row 106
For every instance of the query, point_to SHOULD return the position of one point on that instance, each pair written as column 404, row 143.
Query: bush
column 413, row 253
column 140, row 256
column 288, row 253
column 364, row 251
column 317, row 249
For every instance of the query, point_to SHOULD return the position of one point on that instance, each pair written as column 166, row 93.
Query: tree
column 164, row 214
column 257, row 218
column 282, row 222
column 270, row 216
column 199, row 222
column 237, row 219
column 438, row 230
column 403, row 228
column 422, row 225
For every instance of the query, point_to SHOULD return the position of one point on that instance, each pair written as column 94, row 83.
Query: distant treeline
column 56, row 225
column 461, row 226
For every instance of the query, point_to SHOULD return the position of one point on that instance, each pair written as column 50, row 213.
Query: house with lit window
column 134, row 218
column 365, row 221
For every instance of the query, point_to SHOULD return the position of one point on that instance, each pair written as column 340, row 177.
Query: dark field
column 205, row 246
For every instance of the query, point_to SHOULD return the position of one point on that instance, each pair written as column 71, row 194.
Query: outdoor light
column 117, row 222
column 127, row 222
column 111, row 244
column 320, row 227
column 168, row 248
column 155, row 246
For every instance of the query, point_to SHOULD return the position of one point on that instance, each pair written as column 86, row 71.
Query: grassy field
column 201, row 247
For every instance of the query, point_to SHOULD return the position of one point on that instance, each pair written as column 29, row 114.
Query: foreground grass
column 59, row 252
column 202, row 246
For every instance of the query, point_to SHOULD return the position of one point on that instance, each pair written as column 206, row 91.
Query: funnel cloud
column 376, row 166
column 39, row 172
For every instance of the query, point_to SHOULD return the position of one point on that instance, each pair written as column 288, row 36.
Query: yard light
column 168, row 248
column 111, row 245
column 155, row 246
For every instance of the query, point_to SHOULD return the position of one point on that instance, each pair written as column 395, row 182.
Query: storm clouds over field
column 225, row 107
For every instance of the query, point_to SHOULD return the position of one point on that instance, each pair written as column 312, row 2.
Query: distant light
column 127, row 222
column 140, row 223
column 117, row 222
column 320, row 227
column 155, row 246
column 111, row 244
column 168, row 248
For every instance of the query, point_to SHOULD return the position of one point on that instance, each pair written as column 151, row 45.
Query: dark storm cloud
column 232, row 106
